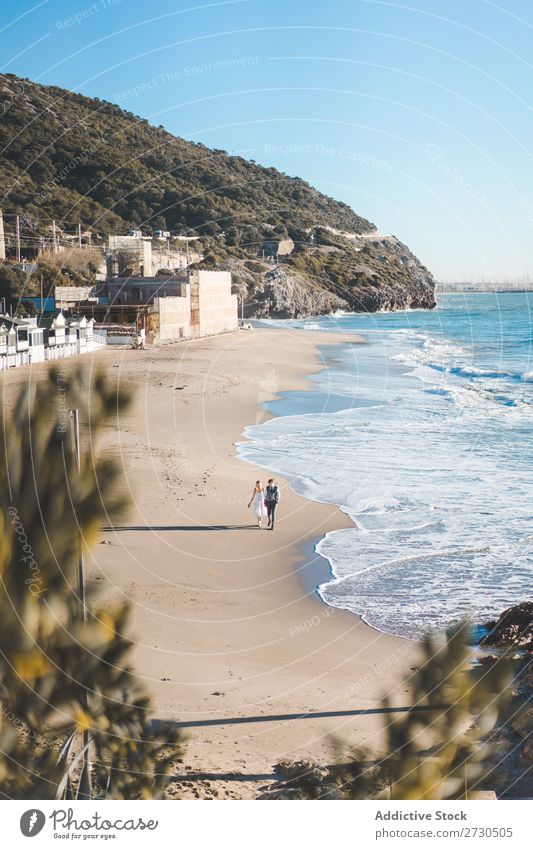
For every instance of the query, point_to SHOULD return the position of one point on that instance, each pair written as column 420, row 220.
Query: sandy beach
column 229, row 632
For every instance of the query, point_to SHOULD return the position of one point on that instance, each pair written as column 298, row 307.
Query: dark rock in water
column 522, row 722
column 513, row 628
column 527, row 676
column 527, row 751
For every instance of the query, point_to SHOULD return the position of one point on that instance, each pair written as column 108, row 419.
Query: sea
column 423, row 437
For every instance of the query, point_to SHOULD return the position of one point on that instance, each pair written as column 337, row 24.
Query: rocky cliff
column 358, row 274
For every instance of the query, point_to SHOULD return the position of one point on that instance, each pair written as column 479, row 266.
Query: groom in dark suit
column 271, row 501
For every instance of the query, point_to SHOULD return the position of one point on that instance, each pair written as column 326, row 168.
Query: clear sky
column 417, row 114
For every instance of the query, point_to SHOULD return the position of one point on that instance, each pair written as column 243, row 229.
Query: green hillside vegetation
column 73, row 159
column 346, row 272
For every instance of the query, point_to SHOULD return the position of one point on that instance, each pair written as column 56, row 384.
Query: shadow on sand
column 289, row 717
column 121, row 528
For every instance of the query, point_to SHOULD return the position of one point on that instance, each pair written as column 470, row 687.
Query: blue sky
column 419, row 115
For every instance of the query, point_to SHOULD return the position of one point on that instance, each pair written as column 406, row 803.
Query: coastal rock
column 390, row 277
column 287, row 294
column 365, row 275
column 527, row 675
column 527, row 750
column 416, row 294
column 522, row 724
column 487, row 659
column 513, row 628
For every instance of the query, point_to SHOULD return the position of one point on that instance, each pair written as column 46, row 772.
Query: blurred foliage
column 443, row 748
column 62, row 679
column 457, row 709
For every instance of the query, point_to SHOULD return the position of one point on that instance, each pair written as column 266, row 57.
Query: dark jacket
column 272, row 493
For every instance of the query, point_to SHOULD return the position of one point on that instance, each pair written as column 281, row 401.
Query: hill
column 70, row 158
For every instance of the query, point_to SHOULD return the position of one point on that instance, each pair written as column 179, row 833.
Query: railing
column 39, row 353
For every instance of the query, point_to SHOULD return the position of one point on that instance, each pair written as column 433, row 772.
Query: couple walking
column 264, row 502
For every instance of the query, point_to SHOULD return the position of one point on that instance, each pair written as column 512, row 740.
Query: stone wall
column 217, row 306
column 206, row 308
column 172, row 317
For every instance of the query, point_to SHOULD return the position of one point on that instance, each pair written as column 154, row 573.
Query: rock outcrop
column 287, row 294
column 373, row 273
column 369, row 273
column 513, row 628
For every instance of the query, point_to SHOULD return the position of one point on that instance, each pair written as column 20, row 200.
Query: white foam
column 435, row 476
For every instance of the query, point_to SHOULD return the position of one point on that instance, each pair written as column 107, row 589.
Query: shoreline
column 317, row 564
column 223, row 627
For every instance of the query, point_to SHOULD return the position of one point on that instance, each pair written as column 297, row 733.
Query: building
column 277, row 250
column 136, row 255
column 25, row 341
column 130, row 254
column 21, row 342
column 165, row 308
column 175, row 307
column 143, row 290
column 68, row 296
column 205, row 307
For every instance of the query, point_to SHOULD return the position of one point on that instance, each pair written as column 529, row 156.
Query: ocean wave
column 471, row 371
column 434, row 470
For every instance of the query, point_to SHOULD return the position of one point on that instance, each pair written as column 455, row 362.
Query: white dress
column 258, row 504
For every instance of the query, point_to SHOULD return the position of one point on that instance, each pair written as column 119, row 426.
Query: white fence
column 14, row 360
column 59, row 352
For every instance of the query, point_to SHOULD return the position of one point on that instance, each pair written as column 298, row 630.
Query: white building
column 21, row 342
column 133, row 251
column 204, row 308
column 24, row 342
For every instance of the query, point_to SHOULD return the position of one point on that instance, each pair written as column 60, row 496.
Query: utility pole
column 2, row 238
column 17, row 225
column 75, row 428
column 84, row 790
column 79, row 235
column 42, row 305
column 54, row 237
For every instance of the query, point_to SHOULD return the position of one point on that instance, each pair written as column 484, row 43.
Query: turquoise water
column 423, row 437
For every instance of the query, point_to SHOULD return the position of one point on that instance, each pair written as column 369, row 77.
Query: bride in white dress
column 257, row 502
